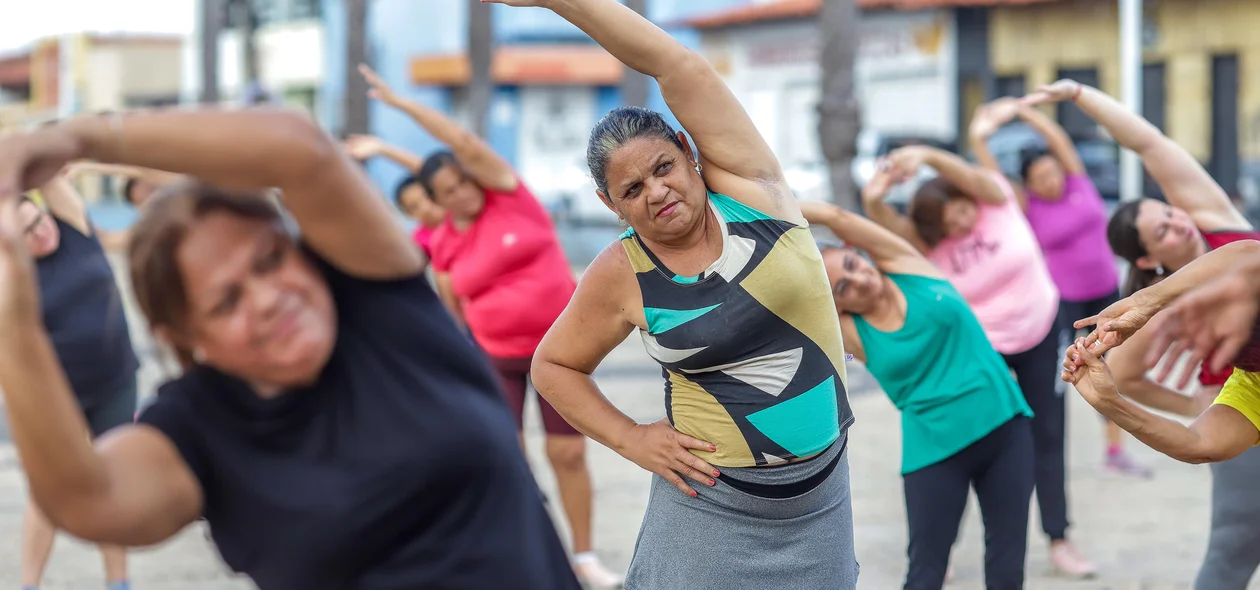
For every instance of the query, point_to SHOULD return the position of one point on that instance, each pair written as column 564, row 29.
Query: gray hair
column 616, row 129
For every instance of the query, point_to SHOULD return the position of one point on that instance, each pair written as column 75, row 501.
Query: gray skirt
column 727, row 539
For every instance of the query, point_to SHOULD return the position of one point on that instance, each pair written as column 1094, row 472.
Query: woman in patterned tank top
column 1157, row 239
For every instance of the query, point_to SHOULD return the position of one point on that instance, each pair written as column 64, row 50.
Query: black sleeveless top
column 399, row 469
column 83, row 313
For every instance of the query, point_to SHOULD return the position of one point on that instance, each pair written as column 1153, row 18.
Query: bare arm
column 132, row 490
column 66, row 204
column 1132, row 377
column 476, row 156
column 340, row 212
column 890, row 252
column 366, row 147
column 1184, row 181
column 987, row 119
column 592, row 325
column 737, row 160
column 1061, row 146
column 888, row 217
column 973, row 181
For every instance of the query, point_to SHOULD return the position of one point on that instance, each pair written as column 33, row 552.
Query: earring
column 699, row 168
column 1159, row 270
column 199, row 355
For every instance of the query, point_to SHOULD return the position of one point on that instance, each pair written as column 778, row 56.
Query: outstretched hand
column 1210, row 324
column 379, row 89
column 878, row 186
column 1052, row 93
column 992, row 116
column 1116, row 323
column 1089, row 374
column 363, row 147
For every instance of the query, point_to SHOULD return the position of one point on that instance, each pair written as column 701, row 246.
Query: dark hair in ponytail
column 1122, row 235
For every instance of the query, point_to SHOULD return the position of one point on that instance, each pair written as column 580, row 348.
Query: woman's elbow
column 311, row 150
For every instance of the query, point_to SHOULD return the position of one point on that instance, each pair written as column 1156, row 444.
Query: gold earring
column 699, row 168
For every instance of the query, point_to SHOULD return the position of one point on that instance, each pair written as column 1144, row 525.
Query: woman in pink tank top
column 969, row 222
column 1158, row 238
column 502, row 273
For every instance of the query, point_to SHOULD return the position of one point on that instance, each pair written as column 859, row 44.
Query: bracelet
column 1079, row 89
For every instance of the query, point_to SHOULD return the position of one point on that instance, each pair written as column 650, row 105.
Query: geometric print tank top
column 750, row 349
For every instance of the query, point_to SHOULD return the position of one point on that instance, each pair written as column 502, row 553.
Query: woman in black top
column 332, row 425
column 83, row 314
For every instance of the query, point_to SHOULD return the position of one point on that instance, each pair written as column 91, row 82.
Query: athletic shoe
column 1120, row 463
column 1067, row 561
column 594, row 576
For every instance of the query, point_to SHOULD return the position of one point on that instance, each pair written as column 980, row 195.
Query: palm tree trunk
column 355, row 118
column 634, row 86
column 839, row 115
column 212, row 13
column 480, row 58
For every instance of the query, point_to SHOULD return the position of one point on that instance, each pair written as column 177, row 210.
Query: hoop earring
column 699, row 168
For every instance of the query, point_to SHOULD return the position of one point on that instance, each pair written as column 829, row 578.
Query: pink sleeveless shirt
column 1000, row 271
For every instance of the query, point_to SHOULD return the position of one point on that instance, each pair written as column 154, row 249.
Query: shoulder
column 176, row 413
column 347, row 289
column 608, row 279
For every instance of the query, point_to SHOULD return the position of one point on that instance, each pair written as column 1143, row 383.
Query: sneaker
column 1122, row 464
column 594, row 576
column 1068, row 562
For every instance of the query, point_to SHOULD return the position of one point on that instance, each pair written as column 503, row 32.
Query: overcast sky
column 27, row 20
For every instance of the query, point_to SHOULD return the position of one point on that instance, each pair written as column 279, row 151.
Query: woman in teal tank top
column 964, row 422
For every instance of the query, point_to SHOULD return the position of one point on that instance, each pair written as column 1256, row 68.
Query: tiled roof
column 790, row 9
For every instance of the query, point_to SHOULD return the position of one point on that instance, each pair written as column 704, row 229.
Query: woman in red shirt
column 502, row 273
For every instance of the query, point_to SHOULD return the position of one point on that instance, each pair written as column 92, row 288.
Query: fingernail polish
column 712, row 483
column 693, row 494
column 716, row 473
column 712, row 447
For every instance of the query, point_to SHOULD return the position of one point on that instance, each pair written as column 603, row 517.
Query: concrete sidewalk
column 1143, row 534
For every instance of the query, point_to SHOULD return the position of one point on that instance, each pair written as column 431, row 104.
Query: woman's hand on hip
column 658, row 448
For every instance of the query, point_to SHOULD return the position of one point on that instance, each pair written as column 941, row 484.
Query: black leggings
column 1000, row 468
column 1037, row 371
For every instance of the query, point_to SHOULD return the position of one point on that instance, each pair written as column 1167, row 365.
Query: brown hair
column 1126, row 242
column 927, row 209
column 155, row 240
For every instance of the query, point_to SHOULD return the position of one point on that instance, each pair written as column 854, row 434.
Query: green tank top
column 940, row 371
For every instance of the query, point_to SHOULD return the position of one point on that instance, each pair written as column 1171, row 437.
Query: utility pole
column 634, row 86
column 355, row 117
column 212, row 17
column 480, row 58
column 1131, row 91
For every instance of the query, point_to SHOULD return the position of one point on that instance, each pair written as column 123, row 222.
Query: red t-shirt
column 508, row 270
column 1249, row 357
column 423, row 236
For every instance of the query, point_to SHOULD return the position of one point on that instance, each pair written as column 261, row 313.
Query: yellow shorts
column 1242, row 392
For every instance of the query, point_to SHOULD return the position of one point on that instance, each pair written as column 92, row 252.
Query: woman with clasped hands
column 332, row 425
column 722, row 280
column 1209, row 310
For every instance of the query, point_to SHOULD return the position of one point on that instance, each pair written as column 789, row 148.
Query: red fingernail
column 712, row 483
column 712, row 447
column 715, row 473
column 693, row 494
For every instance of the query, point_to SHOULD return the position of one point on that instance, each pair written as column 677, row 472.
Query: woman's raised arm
column 1184, row 181
column 737, row 160
column 340, row 212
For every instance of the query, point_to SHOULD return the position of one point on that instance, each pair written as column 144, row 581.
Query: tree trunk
column 212, row 13
column 480, row 57
column 839, row 115
column 634, row 86
column 355, row 116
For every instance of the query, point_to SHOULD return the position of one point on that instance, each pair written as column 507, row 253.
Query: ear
column 1146, row 263
column 607, row 203
column 686, row 146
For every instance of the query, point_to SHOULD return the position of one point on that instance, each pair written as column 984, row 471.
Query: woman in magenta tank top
column 502, row 273
column 1158, row 238
column 1069, row 218
column 969, row 223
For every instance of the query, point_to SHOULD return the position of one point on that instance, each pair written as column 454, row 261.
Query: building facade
column 552, row 85
column 1201, row 79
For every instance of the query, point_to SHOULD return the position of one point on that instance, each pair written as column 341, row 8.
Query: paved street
column 1144, row 534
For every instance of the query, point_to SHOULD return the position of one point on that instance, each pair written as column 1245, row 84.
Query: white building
column 290, row 42
column 906, row 75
